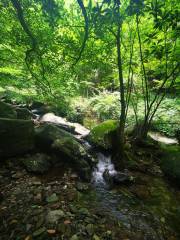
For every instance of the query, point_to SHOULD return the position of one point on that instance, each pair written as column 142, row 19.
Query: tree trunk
column 121, row 137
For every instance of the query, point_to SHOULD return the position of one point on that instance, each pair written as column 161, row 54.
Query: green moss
column 105, row 128
column 101, row 134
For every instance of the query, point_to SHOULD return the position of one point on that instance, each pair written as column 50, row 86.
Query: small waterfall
column 104, row 163
column 120, row 206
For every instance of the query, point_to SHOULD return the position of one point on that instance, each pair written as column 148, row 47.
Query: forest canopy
column 58, row 50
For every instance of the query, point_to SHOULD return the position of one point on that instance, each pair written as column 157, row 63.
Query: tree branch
column 86, row 30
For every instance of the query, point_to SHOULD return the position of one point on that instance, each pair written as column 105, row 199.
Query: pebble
column 39, row 231
column 54, row 216
column 53, row 198
column 74, row 237
column 90, row 229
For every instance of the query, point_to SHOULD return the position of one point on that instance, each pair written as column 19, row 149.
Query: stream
column 119, row 206
column 150, row 217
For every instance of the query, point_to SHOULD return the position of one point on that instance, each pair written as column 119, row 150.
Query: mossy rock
column 65, row 146
column 7, row 111
column 17, row 136
column 170, row 162
column 102, row 134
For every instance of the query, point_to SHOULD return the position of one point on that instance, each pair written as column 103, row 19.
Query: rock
column 73, row 209
column 95, row 237
column 23, row 113
column 36, row 183
column 66, row 222
column 82, row 187
column 117, row 177
column 38, row 198
column 83, row 211
column 65, row 145
column 51, row 231
column 64, row 124
column 54, row 216
column 59, row 121
column 29, row 237
column 7, row 111
column 53, row 198
column 18, row 175
column 17, row 137
column 108, row 177
column 39, row 232
column 157, row 137
column 74, row 176
column 40, row 221
column 74, row 237
column 65, row 229
column 122, row 178
column 107, row 235
column 90, row 229
column 81, row 130
column 37, row 163
column 103, row 134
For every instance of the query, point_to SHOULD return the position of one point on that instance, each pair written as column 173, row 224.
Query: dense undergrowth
column 104, row 106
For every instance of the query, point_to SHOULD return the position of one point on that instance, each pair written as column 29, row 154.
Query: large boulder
column 51, row 138
column 16, row 136
column 7, row 111
column 104, row 134
column 59, row 121
column 75, row 128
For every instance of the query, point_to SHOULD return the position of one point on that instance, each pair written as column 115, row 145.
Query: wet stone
column 95, row 237
column 83, row 211
column 90, row 229
column 52, row 198
column 38, row 198
column 54, row 216
column 74, row 237
column 82, row 187
column 39, row 231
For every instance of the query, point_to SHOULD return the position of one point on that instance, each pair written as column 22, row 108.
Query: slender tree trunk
column 121, row 134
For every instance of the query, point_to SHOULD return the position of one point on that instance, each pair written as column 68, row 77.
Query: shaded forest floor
column 57, row 206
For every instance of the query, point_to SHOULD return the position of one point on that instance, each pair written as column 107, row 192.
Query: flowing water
column 127, row 209
column 104, row 163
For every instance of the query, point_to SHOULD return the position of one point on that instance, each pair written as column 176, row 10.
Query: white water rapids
column 104, row 163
